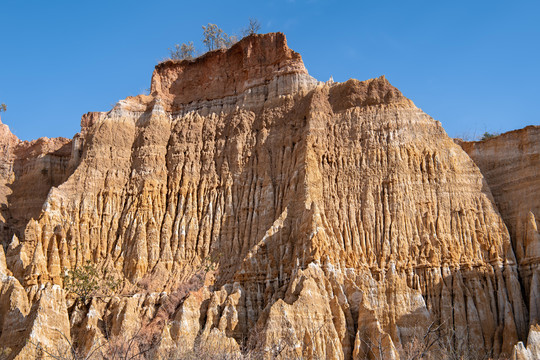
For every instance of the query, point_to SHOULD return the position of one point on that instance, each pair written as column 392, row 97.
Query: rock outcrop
column 333, row 220
column 28, row 170
column 511, row 165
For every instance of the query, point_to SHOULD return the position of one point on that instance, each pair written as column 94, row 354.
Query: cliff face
column 511, row 165
column 250, row 71
column 8, row 141
column 332, row 220
column 28, row 170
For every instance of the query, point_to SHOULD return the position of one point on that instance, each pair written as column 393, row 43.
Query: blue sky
column 473, row 65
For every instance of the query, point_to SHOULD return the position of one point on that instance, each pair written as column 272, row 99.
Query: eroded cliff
column 511, row 165
column 332, row 220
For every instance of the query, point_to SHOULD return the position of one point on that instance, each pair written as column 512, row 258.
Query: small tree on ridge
column 184, row 51
column 215, row 38
column 253, row 27
column 488, row 135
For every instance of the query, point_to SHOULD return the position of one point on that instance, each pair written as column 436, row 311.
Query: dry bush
column 422, row 345
column 137, row 347
column 439, row 343
column 114, row 349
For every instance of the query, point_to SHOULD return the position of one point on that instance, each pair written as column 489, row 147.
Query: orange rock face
column 262, row 66
column 334, row 220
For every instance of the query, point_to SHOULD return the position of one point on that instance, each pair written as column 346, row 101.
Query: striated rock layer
column 335, row 220
column 28, row 170
column 511, row 165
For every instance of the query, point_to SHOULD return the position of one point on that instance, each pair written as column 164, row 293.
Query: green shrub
column 488, row 135
column 85, row 281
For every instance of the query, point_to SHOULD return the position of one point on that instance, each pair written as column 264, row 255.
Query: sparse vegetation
column 253, row 28
column 183, row 52
column 86, row 281
column 116, row 348
column 215, row 38
column 3, row 107
column 431, row 343
column 137, row 346
column 436, row 342
column 488, row 135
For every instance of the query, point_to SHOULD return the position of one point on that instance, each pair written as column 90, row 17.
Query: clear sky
column 473, row 65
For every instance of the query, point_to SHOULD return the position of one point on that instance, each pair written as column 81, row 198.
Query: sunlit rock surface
column 511, row 165
column 329, row 220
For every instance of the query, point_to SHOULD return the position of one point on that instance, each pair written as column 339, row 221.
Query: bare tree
column 183, row 52
column 376, row 347
column 115, row 348
column 441, row 342
column 215, row 38
column 286, row 346
column 253, row 27
column 211, row 36
column 67, row 350
column 230, row 40
column 454, row 345
column 423, row 345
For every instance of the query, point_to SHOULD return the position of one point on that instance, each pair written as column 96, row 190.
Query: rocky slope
column 331, row 220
